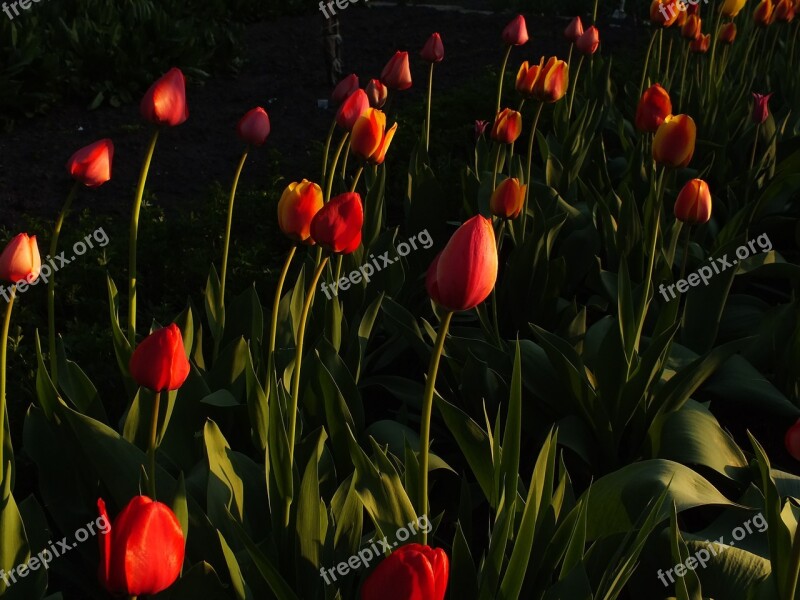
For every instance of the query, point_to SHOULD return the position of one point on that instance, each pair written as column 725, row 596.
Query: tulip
column 507, row 126
column 344, row 88
column 337, row 225
column 516, row 32
column 763, row 13
column 20, row 260
column 377, row 93
column 574, row 30
column 397, row 74
column 480, row 128
column 371, row 139
column 664, row 12
column 674, row 142
column 91, row 165
column 351, row 109
column 587, row 44
column 727, row 33
column 731, row 8
column 526, row 77
column 159, row 362
column 165, row 101
column 412, row 572
column 142, row 552
column 792, row 440
column 464, row 273
column 693, row 9
column 693, row 205
column 654, row 106
column 701, row 44
column 297, row 207
column 253, row 128
column 784, row 11
column 553, row 80
column 693, row 28
column 508, row 199
column 433, row 50
column 760, row 107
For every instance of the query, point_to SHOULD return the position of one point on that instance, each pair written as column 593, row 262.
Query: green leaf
column 311, row 523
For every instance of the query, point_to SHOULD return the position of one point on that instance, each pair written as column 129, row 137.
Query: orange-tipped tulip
column 727, row 33
column 693, row 28
column 763, row 13
column 588, row 43
column 693, row 205
column 351, row 109
column 337, row 226
column 731, row 8
column 553, row 80
column 20, row 260
column 433, row 50
column 527, row 76
column 784, row 11
column 160, row 361
column 91, row 165
column 465, row 272
column 654, row 106
column 761, row 107
column 664, row 12
column 297, row 206
column 507, row 126
column 371, row 139
column 377, row 93
column 253, row 128
column 507, row 199
column 516, row 32
column 792, row 440
column 344, row 88
column 412, row 572
column 397, row 74
column 165, row 101
column 674, row 143
column 701, row 44
column 574, row 30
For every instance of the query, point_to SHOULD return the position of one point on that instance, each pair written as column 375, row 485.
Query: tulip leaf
column 46, row 392
column 77, row 387
column 311, row 523
column 463, row 575
column 245, row 318
column 688, row 586
column 201, row 581
column 509, row 459
column 349, row 518
column 237, row 581
column 257, row 404
column 122, row 349
column 215, row 311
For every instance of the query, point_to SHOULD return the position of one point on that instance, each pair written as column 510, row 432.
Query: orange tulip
column 516, row 32
column 351, row 109
column 397, row 74
column 588, row 43
column 253, row 128
column 682, row 18
column 654, row 106
column 507, row 199
column 574, row 30
column 731, row 8
column 674, row 142
column 91, row 165
column 371, row 139
column 20, row 260
column 664, row 12
column 165, row 101
column 507, row 126
column 344, row 88
column 784, row 11
column 433, row 50
column 337, row 225
column 693, row 205
column 727, row 33
column 526, row 77
column 693, row 28
column 763, row 13
column 377, row 93
column 160, row 361
column 297, row 206
column 553, row 80
column 701, row 44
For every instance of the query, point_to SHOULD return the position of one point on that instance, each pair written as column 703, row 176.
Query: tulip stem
column 329, row 187
column 151, row 448
column 134, row 234
column 51, row 286
column 3, row 354
column 428, row 119
column 356, row 178
column 301, row 332
column 528, row 169
column 327, row 149
column 273, row 329
column 427, row 408
column 496, row 166
column 647, row 62
column 346, row 156
column 228, row 225
column 574, row 85
column 794, row 568
column 682, row 96
column 502, row 76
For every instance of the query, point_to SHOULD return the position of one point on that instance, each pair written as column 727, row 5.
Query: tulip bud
column 727, row 33
column 421, row 572
column 731, row 8
column 507, row 126
column 297, row 206
column 761, row 107
column 91, row 165
column 160, row 362
column 664, row 12
column 480, row 128
column 397, row 74
column 683, row 16
column 253, row 127
column 20, row 260
column 351, row 109
column 587, row 44
column 165, row 101
column 654, row 106
column 464, row 273
column 674, row 142
column 763, row 13
column 508, row 199
column 377, row 93
column 574, row 30
column 433, row 50
column 337, row 225
column 701, row 44
column 527, row 76
column 344, row 88
column 370, row 139
column 142, row 552
column 792, row 440
column 553, row 80
column 784, row 11
column 693, row 28
column 693, row 205
column 516, row 32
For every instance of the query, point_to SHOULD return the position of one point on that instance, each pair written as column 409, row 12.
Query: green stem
column 327, row 150
column 273, row 329
column 427, row 408
column 134, row 234
column 356, row 178
column 502, row 76
column 794, row 568
column 151, row 448
column 646, row 64
column 3, row 354
column 428, row 119
column 682, row 96
column 496, row 166
column 574, row 85
column 528, row 169
column 51, row 286
column 226, row 246
column 329, row 187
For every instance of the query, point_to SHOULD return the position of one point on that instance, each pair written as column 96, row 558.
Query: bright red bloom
column 693, row 205
column 792, row 440
column 574, row 30
column 588, row 43
column 507, row 126
column 351, row 109
column 337, row 225
column 20, row 259
column 397, row 74
column 165, row 101
column 760, row 107
column 433, row 50
column 344, row 88
column 377, row 93
column 516, row 32
column 674, row 142
column 142, row 552
column 654, row 106
column 253, row 128
column 412, row 572
column 160, row 361
column 91, row 165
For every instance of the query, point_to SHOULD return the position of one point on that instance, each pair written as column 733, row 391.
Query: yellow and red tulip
column 674, row 143
column 507, row 126
column 508, row 199
column 20, row 260
column 553, row 80
column 371, row 139
column 297, row 207
column 693, row 205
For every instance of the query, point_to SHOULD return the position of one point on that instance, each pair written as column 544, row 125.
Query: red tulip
column 337, row 225
column 344, row 88
column 508, row 199
column 377, row 93
column 760, row 107
column 433, row 50
column 764, row 12
column 160, row 362
column 654, row 106
column 253, row 128
column 397, row 74
column 727, row 33
column 574, row 30
column 693, row 28
column 464, row 273
column 701, row 44
column 351, row 109
column 297, row 206
column 412, row 572
column 91, row 165
column 142, row 552
column 792, row 440
column 784, row 11
column 587, row 44
column 507, row 126
column 693, row 205
column 693, row 9
column 165, row 101
column 674, row 142
column 516, row 32
column 20, row 260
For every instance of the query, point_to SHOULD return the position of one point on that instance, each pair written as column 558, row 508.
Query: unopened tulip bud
column 693, row 28
column 254, row 128
column 527, row 76
column 731, row 8
column 20, row 259
column 574, row 30
column 693, row 205
column 433, row 50
column 160, row 361
column 165, row 101
column 337, row 225
column 763, row 13
column 418, row 572
column 654, row 106
column 397, row 74
column 516, row 32
column 587, row 44
column 91, row 165
column 664, row 12
column 344, row 88
column 784, row 11
column 377, row 93
column 351, row 109
column 507, row 126
column 508, row 199
column 674, row 143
